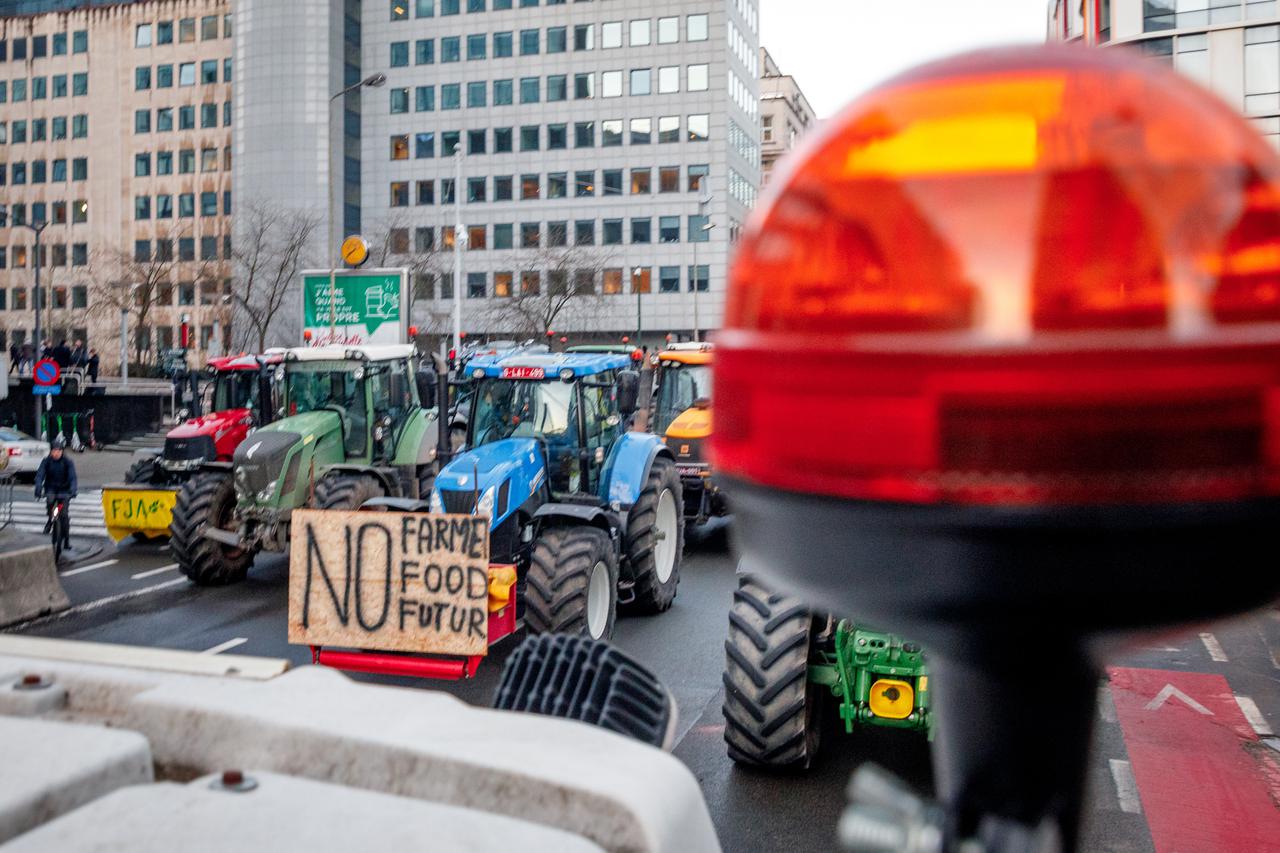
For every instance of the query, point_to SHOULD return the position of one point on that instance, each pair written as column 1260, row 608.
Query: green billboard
column 369, row 307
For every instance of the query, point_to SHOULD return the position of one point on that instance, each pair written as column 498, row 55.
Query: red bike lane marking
column 1207, row 783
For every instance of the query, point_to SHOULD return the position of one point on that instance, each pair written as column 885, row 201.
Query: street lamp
column 460, row 238
column 704, row 198
column 373, row 81
column 635, row 285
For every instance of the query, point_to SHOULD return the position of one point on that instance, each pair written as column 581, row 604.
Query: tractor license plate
column 689, row 470
column 523, row 373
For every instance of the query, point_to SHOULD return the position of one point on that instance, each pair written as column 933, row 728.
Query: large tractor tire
column 145, row 470
column 771, row 710
column 572, row 583
column 347, row 491
column 207, row 500
column 655, row 538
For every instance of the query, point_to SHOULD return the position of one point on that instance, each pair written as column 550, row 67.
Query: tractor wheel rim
column 666, row 532
column 599, row 600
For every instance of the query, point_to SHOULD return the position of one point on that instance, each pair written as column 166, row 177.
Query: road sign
column 371, row 307
column 46, row 389
column 47, row 372
column 355, row 251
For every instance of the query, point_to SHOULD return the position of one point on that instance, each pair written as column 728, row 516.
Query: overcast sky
column 837, row 49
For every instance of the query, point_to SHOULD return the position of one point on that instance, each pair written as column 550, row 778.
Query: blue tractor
column 587, row 511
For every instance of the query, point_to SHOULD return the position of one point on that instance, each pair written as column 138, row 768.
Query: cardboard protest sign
column 390, row 581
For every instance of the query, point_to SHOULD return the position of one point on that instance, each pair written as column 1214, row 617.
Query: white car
column 22, row 452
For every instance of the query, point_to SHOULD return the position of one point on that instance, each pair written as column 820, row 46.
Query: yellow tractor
column 681, row 414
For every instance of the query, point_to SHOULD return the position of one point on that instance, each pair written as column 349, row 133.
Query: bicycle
column 58, row 525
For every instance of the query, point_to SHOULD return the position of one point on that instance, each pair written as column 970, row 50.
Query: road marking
column 1213, row 647
column 222, row 647
column 89, row 568
column 1106, row 705
column 1126, row 787
column 140, row 575
column 1170, row 692
column 1251, row 713
column 95, row 605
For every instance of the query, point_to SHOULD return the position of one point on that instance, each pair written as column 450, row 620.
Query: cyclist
column 56, row 480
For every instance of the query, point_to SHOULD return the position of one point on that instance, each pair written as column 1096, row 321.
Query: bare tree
column 271, row 248
column 567, row 288
column 133, row 283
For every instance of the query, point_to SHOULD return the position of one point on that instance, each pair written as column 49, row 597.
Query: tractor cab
column 681, row 414
column 553, row 464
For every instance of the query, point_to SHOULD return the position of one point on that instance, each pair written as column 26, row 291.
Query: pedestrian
column 62, row 354
column 28, row 357
column 79, row 355
column 15, row 355
column 93, row 365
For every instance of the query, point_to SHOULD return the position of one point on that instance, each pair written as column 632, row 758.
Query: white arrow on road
column 1170, row 692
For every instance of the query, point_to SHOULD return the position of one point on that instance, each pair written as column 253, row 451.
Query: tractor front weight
column 877, row 678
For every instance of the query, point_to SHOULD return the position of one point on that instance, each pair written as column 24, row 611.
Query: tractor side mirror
column 628, row 391
column 426, row 389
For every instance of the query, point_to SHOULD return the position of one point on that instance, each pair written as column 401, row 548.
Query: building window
column 424, row 51
column 584, row 134
column 557, row 234
column 642, row 279
column 612, row 181
column 399, row 193
column 399, row 100
column 209, row 28
column 528, row 42
column 449, row 142
column 640, row 181
column 424, row 98
column 426, row 194
column 668, row 30
column 142, row 78
column 476, row 46
column 557, row 87
column 669, row 179
column 668, row 79
column 530, row 90
column 142, row 207
column 699, row 278
column 142, row 121
column 187, row 30
column 449, row 7
column 612, row 232
column 529, row 137
column 669, row 279
column 611, row 84
column 399, row 54
column 641, row 230
column 475, row 190
column 584, row 86
column 164, row 207
column 451, row 49
column 557, row 39
column 79, row 83
column 699, row 127
column 613, row 276
column 164, row 76
column 502, row 140
column 696, row 174
column 584, row 232
column 641, row 81
column 141, row 37
column 503, row 235
column 698, row 230
column 502, row 283
column 187, row 161
column 611, row 34
column 640, row 33
column 584, row 37
column 400, row 147
column 450, row 96
column 209, row 71
column 611, row 132
column 641, row 131
column 696, row 28
column 1261, row 69
column 502, row 44
column 476, row 141
column 557, row 137
column 164, row 119
column 530, row 282
column 697, row 79
column 557, row 184
column 530, row 187
column 669, row 229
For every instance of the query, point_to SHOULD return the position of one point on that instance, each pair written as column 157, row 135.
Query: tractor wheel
column 207, row 500
column 572, row 583
column 771, row 710
column 347, row 491
column 655, row 538
column 145, row 470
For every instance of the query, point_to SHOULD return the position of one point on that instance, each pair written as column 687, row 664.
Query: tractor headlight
column 378, row 433
column 484, row 506
column 892, row 699
column 269, row 492
column 435, row 504
column 566, row 374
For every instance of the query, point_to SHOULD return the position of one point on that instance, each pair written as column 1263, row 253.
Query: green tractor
column 785, row 664
column 352, row 426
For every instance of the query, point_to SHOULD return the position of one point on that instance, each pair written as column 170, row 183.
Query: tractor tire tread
column 770, row 707
column 204, row 561
column 651, row 594
column 559, row 572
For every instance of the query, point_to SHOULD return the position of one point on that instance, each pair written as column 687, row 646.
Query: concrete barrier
column 29, row 585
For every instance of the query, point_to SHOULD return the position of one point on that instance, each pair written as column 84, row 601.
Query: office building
column 785, row 114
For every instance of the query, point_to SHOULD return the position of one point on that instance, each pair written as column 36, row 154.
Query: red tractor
column 240, row 400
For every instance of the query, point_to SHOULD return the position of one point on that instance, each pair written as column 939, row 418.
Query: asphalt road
column 134, row 594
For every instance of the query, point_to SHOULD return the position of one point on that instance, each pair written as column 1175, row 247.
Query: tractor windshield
column 236, row 389
column 680, row 387
column 507, row 408
column 330, row 385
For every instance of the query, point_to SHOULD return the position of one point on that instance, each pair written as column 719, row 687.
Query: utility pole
column 704, row 198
